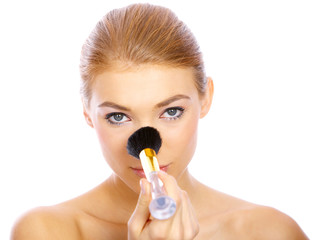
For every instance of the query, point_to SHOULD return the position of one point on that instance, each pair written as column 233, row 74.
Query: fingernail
column 142, row 187
column 162, row 172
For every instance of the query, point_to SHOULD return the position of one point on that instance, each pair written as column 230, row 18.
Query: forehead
column 144, row 83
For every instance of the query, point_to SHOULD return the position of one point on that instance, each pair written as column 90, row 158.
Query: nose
column 145, row 123
column 146, row 137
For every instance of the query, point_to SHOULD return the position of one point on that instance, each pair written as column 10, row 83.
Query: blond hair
column 139, row 34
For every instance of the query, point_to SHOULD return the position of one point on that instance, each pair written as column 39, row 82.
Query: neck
column 188, row 183
column 121, row 197
column 125, row 199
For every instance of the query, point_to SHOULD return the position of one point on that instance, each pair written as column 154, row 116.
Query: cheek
column 179, row 143
column 185, row 136
column 113, row 144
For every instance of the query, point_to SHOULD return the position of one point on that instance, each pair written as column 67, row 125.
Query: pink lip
column 140, row 172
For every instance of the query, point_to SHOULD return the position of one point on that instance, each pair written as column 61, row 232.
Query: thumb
column 141, row 214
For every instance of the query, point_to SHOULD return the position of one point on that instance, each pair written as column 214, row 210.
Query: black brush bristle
column 146, row 137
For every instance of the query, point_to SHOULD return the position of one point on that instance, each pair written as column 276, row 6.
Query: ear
column 87, row 115
column 206, row 99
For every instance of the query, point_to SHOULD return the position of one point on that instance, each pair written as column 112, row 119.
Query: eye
column 117, row 118
column 173, row 113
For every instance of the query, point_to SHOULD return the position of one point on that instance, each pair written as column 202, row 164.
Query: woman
column 141, row 66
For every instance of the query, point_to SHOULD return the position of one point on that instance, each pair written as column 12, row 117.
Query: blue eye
column 173, row 113
column 117, row 118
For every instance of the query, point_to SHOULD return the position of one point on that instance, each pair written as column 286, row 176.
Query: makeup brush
column 144, row 144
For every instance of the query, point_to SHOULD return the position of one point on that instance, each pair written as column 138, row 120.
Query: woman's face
column 158, row 96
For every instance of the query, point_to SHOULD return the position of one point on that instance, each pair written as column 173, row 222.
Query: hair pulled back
column 139, row 34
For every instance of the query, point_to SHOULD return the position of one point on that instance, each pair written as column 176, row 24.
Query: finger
column 170, row 186
column 185, row 217
column 189, row 214
column 141, row 214
column 184, row 223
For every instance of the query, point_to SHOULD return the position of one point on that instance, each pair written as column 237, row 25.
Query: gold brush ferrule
column 149, row 161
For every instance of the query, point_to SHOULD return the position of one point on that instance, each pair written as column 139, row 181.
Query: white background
column 257, row 143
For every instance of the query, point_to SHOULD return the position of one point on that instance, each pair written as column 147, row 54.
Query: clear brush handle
column 161, row 206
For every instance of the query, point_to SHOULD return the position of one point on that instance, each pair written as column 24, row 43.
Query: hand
column 182, row 225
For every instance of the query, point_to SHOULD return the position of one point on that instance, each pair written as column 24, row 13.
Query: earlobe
column 88, row 119
column 87, row 116
column 207, row 98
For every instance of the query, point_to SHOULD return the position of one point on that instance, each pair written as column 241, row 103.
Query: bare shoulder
column 88, row 216
column 53, row 222
column 227, row 217
column 262, row 222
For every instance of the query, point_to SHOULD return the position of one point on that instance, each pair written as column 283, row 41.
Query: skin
column 165, row 98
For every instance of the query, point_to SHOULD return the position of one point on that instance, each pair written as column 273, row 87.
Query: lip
column 139, row 171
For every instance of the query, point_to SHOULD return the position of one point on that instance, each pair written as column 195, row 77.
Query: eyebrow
column 171, row 99
column 113, row 105
column 159, row 105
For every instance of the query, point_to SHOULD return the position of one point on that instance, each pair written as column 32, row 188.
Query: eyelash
column 176, row 117
column 108, row 116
